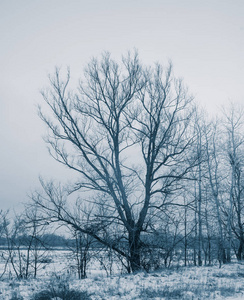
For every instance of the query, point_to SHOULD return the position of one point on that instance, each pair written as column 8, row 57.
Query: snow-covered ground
column 182, row 283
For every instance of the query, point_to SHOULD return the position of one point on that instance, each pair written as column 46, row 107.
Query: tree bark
column 134, row 246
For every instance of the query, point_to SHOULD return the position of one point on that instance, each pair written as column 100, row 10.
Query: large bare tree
column 126, row 132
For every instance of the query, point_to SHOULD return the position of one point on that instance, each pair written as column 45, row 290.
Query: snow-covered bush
column 59, row 289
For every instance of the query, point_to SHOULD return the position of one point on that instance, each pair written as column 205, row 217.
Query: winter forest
column 158, row 184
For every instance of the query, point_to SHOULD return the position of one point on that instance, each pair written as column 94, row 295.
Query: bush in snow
column 59, row 289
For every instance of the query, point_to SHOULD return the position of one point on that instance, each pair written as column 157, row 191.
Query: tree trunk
column 230, row 213
column 195, row 236
column 185, row 236
column 200, row 218
column 240, row 250
column 134, row 246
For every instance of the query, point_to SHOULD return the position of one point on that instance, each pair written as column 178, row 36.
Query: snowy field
column 176, row 283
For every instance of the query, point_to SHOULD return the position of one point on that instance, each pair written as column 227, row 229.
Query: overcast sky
column 204, row 40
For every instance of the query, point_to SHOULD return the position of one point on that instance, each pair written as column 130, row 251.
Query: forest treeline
column 158, row 181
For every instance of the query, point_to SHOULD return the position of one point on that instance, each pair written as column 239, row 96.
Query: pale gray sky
column 204, row 39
